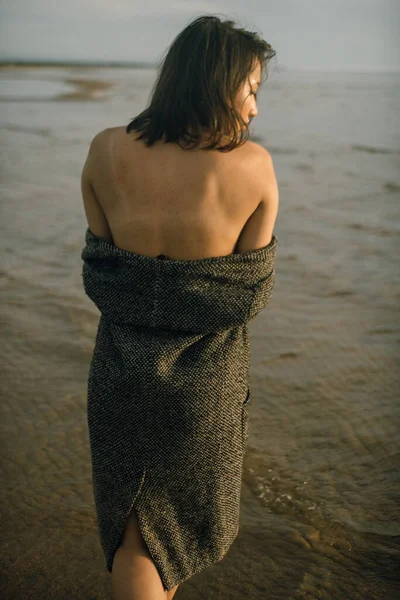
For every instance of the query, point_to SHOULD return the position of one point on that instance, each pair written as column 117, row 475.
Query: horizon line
column 150, row 64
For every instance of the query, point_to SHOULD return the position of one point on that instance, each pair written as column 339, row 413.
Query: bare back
column 186, row 204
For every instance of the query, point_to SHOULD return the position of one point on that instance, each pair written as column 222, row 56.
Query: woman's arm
column 95, row 216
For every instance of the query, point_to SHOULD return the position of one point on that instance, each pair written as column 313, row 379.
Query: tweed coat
column 168, row 397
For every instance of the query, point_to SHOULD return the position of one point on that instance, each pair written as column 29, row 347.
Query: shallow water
column 21, row 89
column 320, row 503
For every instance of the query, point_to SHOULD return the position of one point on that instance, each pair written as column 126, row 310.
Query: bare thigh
column 133, row 563
column 132, row 537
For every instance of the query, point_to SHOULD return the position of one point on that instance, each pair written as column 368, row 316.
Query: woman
column 168, row 389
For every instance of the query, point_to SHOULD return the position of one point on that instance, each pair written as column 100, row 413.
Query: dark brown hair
column 197, row 84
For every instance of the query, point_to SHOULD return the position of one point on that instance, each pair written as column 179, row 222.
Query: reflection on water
column 321, row 476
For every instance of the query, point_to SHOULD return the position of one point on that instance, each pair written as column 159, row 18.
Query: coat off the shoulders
column 168, row 397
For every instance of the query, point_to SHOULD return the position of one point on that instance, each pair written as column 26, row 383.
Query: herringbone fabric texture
column 168, row 397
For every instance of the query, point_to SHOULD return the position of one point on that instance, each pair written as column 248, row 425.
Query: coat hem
column 168, row 582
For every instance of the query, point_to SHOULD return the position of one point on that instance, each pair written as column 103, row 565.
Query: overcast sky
column 307, row 34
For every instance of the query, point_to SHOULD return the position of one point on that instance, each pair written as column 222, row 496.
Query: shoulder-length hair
column 198, row 81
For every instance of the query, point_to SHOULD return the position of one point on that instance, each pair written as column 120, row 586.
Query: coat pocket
column 245, row 419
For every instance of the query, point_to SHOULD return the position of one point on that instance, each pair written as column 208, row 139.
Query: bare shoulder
column 100, row 144
column 259, row 228
column 100, row 138
column 260, row 153
column 266, row 174
column 261, row 160
column 108, row 138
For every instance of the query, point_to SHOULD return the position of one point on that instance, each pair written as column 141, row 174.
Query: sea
column 320, row 511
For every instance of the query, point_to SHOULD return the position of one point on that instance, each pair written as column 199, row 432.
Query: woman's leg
column 134, row 574
column 171, row 593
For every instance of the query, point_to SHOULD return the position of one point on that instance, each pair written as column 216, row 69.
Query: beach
column 320, row 500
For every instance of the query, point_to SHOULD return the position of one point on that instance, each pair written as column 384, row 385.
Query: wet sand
column 87, row 89
column 90, row 89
